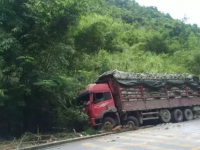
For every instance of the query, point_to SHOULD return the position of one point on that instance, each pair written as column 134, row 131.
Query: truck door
column 101, row 102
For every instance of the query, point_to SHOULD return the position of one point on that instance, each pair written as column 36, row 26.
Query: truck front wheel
column 107, row 121
column 132, row 121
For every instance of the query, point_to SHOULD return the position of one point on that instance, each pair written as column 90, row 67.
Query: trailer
column 127, row 98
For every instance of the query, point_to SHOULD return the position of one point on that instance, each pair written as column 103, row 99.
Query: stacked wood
column 192, row 91
column 131, row 94
column 177, row 92
column 154, row 93
column 135, row 93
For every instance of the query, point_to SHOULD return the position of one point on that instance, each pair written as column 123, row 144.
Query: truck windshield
column 83, row 99
column 100, row 97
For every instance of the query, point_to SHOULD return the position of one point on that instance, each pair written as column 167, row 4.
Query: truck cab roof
column 96, row 87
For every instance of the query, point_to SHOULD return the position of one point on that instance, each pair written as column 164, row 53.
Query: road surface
column 179, row 136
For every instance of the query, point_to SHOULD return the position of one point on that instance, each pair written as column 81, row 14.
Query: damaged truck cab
column 99, row 105
column 120, row 98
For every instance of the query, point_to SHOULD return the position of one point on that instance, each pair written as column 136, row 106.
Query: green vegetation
column 50, row 50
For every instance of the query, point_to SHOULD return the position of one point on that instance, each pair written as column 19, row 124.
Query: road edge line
column 73, row 140
column 64, row 141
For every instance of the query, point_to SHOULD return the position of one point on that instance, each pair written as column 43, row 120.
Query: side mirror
column 87, row 104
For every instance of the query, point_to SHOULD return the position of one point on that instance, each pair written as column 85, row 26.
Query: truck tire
column 177, row 115
column 109, row 121
column 188, row 114
column 132, row 121
column 165, row 116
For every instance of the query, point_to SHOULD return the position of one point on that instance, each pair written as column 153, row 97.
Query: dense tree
column 50, row 50
column 192, row 41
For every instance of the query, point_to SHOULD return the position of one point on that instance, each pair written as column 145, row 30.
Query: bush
column 72, row 118
column 90, row 131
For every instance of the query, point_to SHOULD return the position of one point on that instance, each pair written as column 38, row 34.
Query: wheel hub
column 165, row 115
column 130, row 123
column 107, row 123
column 188, row 114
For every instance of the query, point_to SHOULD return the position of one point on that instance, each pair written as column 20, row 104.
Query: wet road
column 179, row 136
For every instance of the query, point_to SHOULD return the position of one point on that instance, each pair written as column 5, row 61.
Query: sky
column 177, row 8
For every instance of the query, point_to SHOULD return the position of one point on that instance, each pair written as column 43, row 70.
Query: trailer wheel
column 165, row 116
column 188, row 114
column 132, row 121
column 177, row 115
column 108, row 121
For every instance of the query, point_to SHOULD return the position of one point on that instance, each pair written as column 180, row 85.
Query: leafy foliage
column 51, row 50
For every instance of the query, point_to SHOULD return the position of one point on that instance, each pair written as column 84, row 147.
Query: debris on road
column 118, row 128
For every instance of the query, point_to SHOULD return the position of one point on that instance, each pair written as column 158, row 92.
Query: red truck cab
column 98, row 102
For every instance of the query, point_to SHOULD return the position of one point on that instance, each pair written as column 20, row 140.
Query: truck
column 127, row 98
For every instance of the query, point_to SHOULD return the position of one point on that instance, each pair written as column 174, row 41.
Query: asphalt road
column 179, row 136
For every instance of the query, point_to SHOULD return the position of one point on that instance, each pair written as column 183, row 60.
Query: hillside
column 50, row 50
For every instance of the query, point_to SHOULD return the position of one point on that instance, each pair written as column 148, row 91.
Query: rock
column 79, row 135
